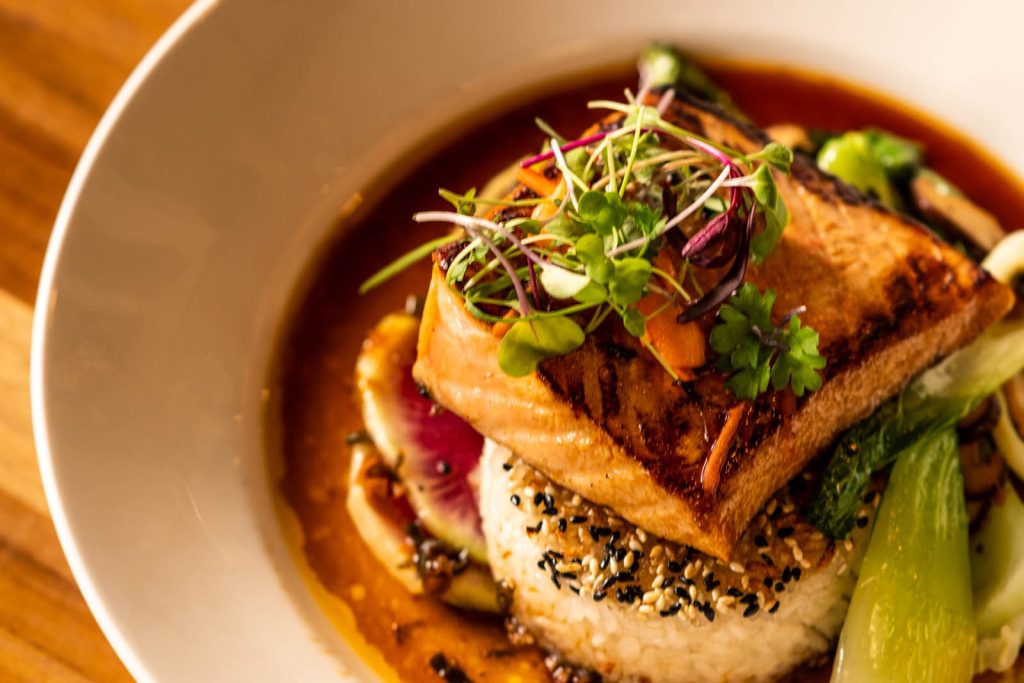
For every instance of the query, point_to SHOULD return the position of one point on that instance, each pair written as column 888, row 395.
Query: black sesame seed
column 760, row 541
column 709, row 582
column 620, row 554
column 516, row 500
column 751, row 610
column 709, row 613
column 749, row 598
column 625, row 577
column 609, row 582
column 787, row 574
column 862, row 522
column 674, row 566
column 543, row 563
column 870, row 498
column 768, row 581
column 443, row 467
column 506, row 466
column 796, row 573
column 785, row 532
column 780, row 587
column 578, row 519
column 667, row 582
column 734, row 592
column 603, row 564
column 774, row 608
column 574, row 589
column 554, row 580
column 599, row 596
column 562, row 524
column 767, row 559
column 555, row 553
column 775, row 515
column 550, row 511
column 538, row 498
column 568, row 575
column 671, row 610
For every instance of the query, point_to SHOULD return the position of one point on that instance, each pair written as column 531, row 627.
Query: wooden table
column 61, row 62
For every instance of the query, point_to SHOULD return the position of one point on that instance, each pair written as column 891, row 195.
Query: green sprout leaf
column 603, row 211
column 561, row 283
column 776, row 155
column 627, row 284
column 590, row 251
column 634, row 322
column 527, row 343
column 755, row 352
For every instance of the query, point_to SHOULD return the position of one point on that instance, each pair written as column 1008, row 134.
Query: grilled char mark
column 669, row 428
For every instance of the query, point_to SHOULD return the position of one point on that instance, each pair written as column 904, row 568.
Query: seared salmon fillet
column 887, row 298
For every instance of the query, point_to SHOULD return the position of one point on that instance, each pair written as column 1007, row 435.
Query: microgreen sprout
column 552, row 269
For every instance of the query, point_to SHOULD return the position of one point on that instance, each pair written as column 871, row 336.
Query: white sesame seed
column 817, row 536
column 656, row 551
column 745, row 582
column 635, row 544
column 787, row 508
column 662, row 604
column 798, row 554
column 724, row 602
column 646, row 609
column 660, row 571
column 715, row 594
column 642, row 535
column 576, row 501
column 805, row 564
column 737, row 567
column 848, row 545
column 690, row 571
column 693, row 592
column 656, row 582
column 772, row 504
column 613, row 566
column 650, row 596
column 630, row 558
column 691, row 612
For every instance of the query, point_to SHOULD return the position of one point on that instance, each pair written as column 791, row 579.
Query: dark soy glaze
column 316, row 384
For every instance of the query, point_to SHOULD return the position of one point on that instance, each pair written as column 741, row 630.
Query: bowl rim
column 181, row 26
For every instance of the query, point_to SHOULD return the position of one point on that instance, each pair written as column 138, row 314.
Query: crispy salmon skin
column 887, row 298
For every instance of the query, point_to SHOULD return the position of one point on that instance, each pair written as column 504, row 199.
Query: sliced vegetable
column 943, row 206
column 434, row 453
column 911, row 617
column 997, row 565
column 1007, row 438
column 938, row 398
column 997, row 575
column 382, row 517
column 852, row 158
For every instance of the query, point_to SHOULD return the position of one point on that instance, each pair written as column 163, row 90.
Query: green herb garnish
column 571, row 260
column 756, row 352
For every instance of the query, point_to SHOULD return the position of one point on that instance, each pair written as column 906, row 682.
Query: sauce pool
column 398, row 633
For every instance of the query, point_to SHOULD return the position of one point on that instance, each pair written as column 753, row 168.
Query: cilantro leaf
column 754, row 352
column 527, row 343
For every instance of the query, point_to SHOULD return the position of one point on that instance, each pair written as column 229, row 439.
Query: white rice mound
column 659, row 629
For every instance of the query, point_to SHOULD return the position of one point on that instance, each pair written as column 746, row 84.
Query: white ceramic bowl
column 209, row 184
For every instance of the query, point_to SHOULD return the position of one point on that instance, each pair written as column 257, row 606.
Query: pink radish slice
column 433, row 451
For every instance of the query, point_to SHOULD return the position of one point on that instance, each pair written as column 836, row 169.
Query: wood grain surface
column 61, row 62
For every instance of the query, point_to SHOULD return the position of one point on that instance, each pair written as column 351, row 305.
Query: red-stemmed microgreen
column 638, row 185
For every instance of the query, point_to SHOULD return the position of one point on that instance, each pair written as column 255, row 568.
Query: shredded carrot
column 499, row 329
column 538, row 182
column 711, row 473
column 681, row 346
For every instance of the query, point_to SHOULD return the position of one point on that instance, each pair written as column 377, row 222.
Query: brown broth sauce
column 319, row 406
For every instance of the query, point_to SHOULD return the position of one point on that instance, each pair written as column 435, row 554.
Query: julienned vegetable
column 936, row 399
column 605, row 208
column 911, row 617
column 997, row 576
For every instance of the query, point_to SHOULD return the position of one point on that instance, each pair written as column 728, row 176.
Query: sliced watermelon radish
column 434, row 452
column 382, row 516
